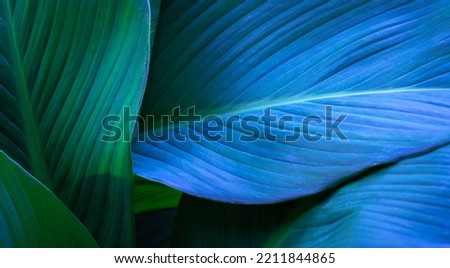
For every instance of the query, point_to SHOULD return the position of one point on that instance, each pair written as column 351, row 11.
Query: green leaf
column 32, row 216
column 155, row 208
column 403, row 205
column 65, row 65
column 150, row 196
column 154, row 6
column 383, row 65
column 205, row 223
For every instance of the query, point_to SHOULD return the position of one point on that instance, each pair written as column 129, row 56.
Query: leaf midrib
column 300, row 99
column 236, row 110
column 32, row 136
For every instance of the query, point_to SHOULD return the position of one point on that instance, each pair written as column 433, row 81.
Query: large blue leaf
column 383, row 65
column 404, row 205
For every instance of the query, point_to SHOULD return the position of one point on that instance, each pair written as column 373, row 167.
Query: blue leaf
column 380, row 68
column 404, row 205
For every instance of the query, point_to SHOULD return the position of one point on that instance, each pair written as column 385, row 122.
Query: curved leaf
column 65, row 65
column 383, row 65
column 404, row 205
column 32, row 216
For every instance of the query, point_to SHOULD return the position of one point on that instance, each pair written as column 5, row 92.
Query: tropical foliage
column 369, row 168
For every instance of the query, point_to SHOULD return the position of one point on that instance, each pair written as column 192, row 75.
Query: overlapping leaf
column 382, row 65
column 32, row 216
column 399, row 205
column 404, row 205
column 65, row 65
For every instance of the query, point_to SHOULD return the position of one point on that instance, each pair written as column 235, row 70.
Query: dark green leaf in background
column 154, row 228
column 149, row 196
column 205, row 223
column 383, row 64
column 155, row 209
column 64, row 66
